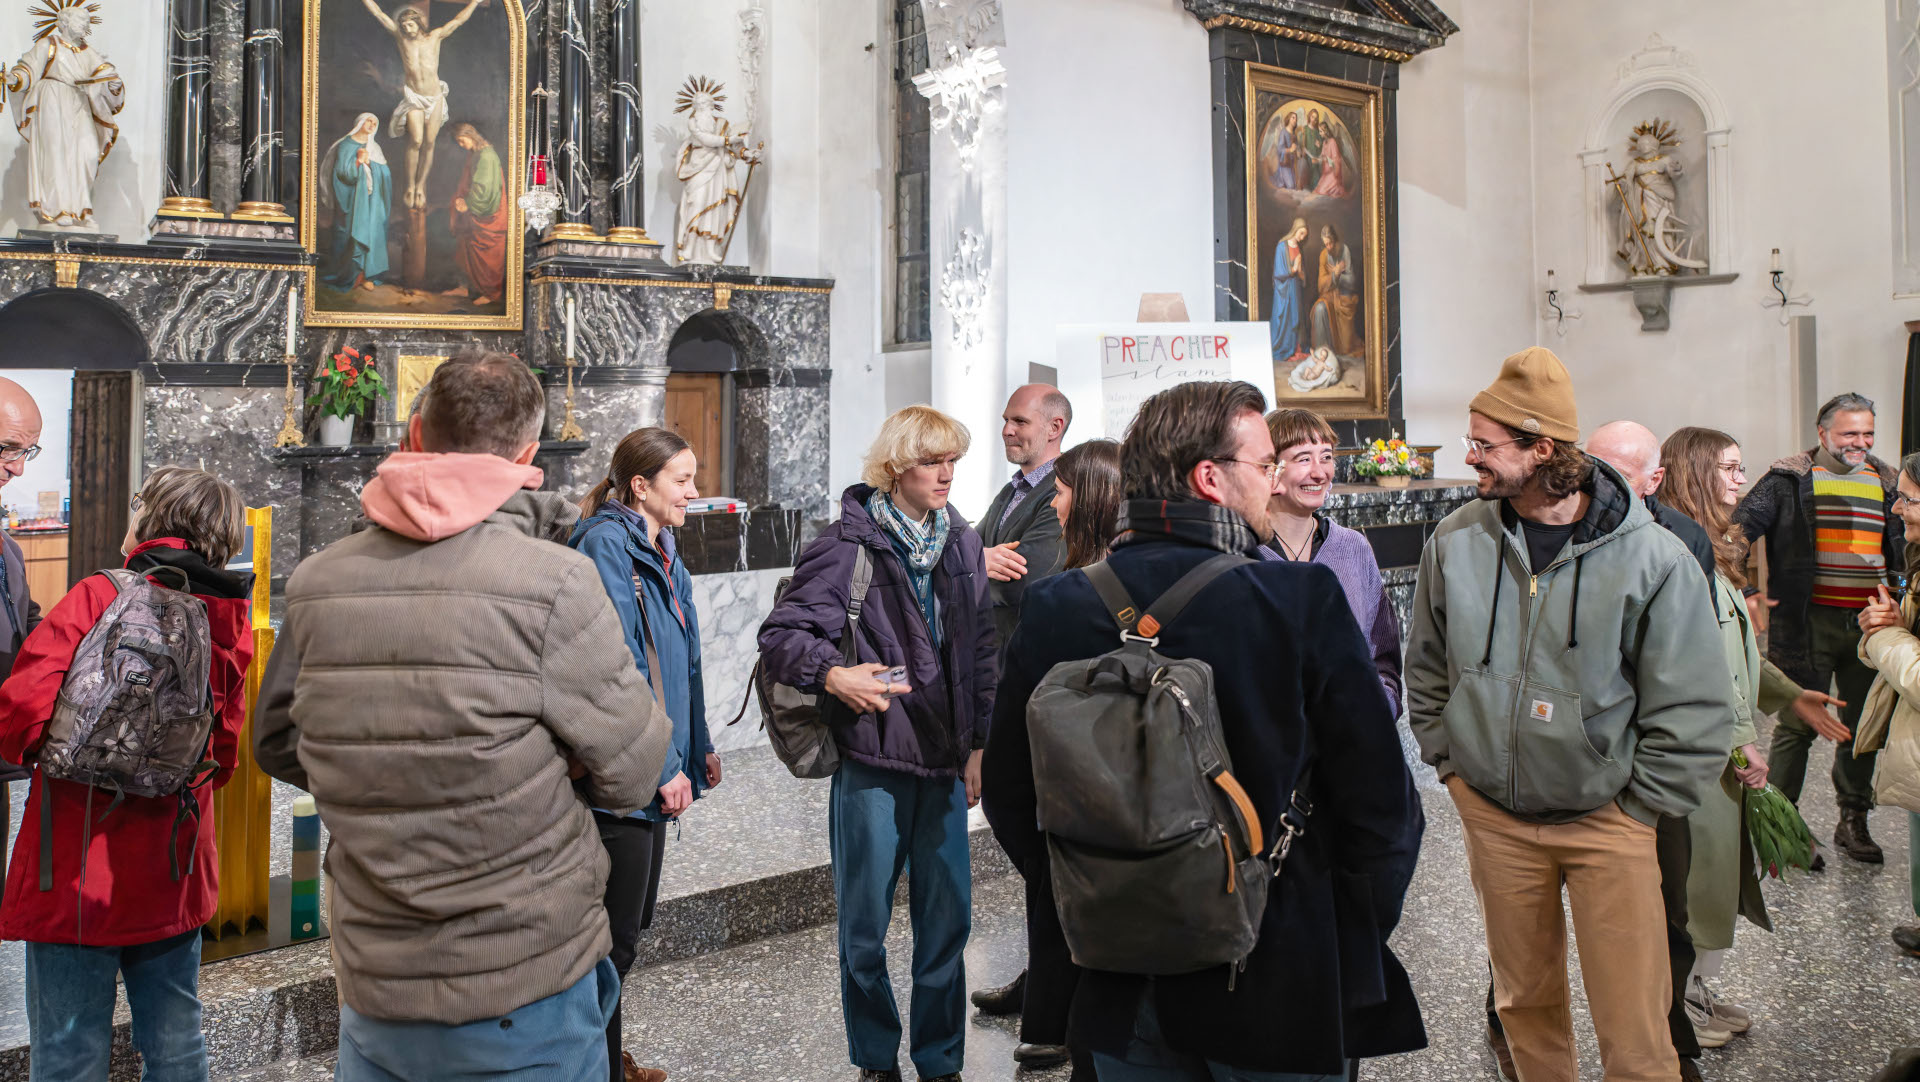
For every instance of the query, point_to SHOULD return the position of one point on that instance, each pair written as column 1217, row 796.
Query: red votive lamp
column 539, row 169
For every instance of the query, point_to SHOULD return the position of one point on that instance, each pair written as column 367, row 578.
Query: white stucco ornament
column 963, row 289
column 963, row 91
column 64, row 95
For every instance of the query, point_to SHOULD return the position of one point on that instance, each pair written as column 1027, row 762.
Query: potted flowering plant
column 347, row 384
column 1390, row 463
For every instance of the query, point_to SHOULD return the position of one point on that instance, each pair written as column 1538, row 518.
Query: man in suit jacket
column 1021, row 532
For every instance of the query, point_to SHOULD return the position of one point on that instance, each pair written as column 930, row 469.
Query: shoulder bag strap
column 1167, row 607
column 646, row 641
column 856, row 600
column 1113, row 595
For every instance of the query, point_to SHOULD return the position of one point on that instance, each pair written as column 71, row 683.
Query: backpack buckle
column 1291, row 827
column 1152, row 641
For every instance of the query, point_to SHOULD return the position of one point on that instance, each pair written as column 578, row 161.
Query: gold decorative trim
column 66, row 273
column 722, row 295
column 571, row 231
column 542, row 279
column 516, row 176
column 141, row 261
column 181, row 206
column 630, row 234
column 1373, row 217
column 1239, row 22
column 262, row 212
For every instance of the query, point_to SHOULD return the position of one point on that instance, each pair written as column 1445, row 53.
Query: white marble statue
column 710, row 165
column 64, row 96
column 1655, row 240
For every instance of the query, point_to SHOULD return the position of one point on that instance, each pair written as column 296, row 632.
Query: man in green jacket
column 1568, row 686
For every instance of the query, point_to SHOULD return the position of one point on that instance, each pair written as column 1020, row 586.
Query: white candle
column 1776, row 259
column 1549, row 280
column 569, row 326
column 290, row 306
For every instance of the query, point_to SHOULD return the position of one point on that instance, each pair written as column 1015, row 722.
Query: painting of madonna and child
column 1314, row 221
column 408, row 176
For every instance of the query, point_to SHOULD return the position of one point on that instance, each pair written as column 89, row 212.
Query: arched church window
column 912, row 300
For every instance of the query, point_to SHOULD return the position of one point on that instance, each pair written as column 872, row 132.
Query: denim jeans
column 1148, row 1059
column 878, row 823
column 70, row 993
column 562, row 1038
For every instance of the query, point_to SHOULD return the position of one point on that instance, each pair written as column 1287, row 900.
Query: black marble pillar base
column 165, row 229
column 600, row 250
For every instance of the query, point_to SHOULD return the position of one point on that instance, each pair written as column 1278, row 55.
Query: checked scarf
column 1194, row 521
column 919, row 549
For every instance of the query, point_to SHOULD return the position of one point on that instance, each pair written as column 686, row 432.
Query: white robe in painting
column 64, row 98
column 710, row 165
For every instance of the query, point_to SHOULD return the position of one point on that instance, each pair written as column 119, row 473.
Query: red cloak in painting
column 480, row 232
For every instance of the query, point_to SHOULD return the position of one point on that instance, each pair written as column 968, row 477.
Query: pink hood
column 429, row 497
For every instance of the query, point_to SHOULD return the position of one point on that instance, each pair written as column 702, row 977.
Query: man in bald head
column 1020, row 529
column 1633, row 449
column 19, row 442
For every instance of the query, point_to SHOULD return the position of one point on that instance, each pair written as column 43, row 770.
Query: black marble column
column 189, row 117
column 263, row 131
column 628, row 190
column 572, row 157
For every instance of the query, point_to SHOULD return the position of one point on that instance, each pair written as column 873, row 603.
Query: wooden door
column 101, row 470
column 696, row 410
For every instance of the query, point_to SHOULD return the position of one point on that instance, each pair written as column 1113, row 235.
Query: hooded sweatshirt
column 1557, row 690
column 434, row 676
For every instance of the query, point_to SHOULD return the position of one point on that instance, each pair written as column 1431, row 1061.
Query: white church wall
column 134, row 37
column 1809, row 176
column 1466, row 219
column 1110, row 170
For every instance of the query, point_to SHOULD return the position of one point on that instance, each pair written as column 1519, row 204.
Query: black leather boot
column 1907, row 938
column 1007, row 999
column 1851, row 838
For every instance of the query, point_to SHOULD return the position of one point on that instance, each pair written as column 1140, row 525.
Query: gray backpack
column 135, row 712
column 794, row 720
column 1159, row 861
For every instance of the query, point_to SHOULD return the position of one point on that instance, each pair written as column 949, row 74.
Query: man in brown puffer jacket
column 436, row 678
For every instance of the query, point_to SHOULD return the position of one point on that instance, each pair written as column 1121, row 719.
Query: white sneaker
column 1729, row 1016
column 1708, row 1030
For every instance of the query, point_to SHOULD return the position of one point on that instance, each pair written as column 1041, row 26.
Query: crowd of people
column 1583, row 669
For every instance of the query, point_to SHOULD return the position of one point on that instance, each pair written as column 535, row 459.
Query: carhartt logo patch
column 1541, row 710
column 1530, row 424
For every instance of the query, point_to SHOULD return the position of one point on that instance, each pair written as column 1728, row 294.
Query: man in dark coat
column 1831, row 535
column 1020, row 531
column 1297, row 690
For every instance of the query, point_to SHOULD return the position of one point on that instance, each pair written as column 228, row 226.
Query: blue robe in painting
column 1289, row 304
column 1283, row 174
column 359, row 220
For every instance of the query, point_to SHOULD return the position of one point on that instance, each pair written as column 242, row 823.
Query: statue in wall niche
column 64, row 95
column 1655, row 240
column 710, row 159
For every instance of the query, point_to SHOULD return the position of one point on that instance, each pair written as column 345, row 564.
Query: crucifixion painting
column 422, row 110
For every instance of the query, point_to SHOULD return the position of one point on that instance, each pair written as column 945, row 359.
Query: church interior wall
column 1810, row 168
column 134, row 37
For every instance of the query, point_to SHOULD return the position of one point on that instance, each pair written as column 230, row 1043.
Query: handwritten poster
column 1121, row 366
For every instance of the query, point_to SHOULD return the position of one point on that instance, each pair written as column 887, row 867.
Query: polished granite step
column 747, row 862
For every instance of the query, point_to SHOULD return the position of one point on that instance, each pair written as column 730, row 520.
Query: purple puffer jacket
column 930, row 730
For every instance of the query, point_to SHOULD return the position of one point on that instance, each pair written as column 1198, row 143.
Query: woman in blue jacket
column 622, row 529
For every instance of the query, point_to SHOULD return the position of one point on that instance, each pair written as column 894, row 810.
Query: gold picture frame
column 416, row 306
column 411, row 373
column 1290, row 182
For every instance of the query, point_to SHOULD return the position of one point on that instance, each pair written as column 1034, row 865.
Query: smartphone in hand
column 894, row 676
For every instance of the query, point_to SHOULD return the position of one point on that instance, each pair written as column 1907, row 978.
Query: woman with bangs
column 909, row 743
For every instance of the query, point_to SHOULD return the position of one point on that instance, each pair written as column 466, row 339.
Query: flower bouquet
column 1390, row 463
column 1780, row 837
column 345, row 386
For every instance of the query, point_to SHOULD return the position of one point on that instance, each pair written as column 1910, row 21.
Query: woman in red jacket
column 115, row 907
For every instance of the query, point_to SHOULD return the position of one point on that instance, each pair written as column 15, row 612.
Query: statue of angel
column 710, row 159
column 64, row 95
column 1655, row 240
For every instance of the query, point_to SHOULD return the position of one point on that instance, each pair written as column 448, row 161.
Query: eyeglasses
column 10, row 453
column 139, row 501
column 1271, row 469
column 1481, row 447
column 1733, row 469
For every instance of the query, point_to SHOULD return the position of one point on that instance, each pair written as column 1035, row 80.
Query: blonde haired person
column 910, row 749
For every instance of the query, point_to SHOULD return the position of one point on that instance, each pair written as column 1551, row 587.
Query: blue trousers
column 562, row 1038
column 1148, row 1059
column 70, row 995
column 879, row 823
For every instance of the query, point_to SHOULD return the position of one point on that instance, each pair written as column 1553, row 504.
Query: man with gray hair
column 449, row 684
column 1831, row 535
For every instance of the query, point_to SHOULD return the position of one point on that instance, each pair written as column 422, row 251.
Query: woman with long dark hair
column 624, row 529
column 1703, row 478
column 1086, row 499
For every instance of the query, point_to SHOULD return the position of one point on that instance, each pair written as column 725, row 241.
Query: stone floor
column 1830, row 994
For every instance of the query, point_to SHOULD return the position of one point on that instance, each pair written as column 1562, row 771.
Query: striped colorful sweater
column 1849, row 522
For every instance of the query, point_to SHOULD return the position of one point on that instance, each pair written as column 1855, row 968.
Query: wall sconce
column 1776, row 278
column 1560, row 313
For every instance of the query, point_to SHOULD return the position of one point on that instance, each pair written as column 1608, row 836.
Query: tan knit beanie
column 1534, row 395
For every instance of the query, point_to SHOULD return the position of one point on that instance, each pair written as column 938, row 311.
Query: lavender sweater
column 1347, row 553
